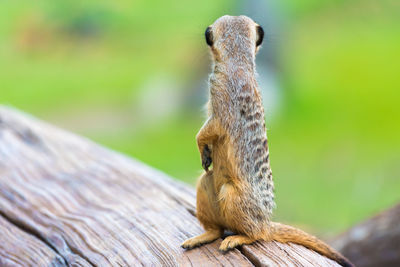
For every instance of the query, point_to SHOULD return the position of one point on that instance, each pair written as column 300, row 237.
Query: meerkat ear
column 260, row 35
column 209, row 37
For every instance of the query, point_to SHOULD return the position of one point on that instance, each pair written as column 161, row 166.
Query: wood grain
column 20, row 248
column 94, row 207
column 277, row 254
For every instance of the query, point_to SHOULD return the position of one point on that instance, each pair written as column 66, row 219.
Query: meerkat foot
column 233, row 241
column 202, row 239
column 206, row 159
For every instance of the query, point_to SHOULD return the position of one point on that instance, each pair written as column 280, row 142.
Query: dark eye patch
column 209, row 37
column 260, row 35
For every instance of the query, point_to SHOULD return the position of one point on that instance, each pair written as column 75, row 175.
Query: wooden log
column 18, row 248
column 375, row 242
column 92, row 206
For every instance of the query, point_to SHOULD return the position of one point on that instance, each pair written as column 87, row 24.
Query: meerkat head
column 234, row 37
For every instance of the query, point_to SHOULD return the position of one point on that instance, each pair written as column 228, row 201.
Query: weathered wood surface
column 20, row 248
column 67, row 201
column 375, row 242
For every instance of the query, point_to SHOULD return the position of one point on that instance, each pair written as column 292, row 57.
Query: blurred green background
column 132, row 75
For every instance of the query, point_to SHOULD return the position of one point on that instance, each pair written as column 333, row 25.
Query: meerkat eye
column 260, row 35
column 209, row 36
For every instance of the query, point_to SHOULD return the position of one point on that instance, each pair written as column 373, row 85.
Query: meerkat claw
column 206, row 159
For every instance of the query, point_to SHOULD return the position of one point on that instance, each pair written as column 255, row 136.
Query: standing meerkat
column 238, row 193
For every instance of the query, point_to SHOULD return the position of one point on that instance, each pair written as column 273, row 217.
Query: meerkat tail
column 285, row 234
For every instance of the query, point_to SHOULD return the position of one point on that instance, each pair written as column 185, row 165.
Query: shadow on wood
column 67, row 201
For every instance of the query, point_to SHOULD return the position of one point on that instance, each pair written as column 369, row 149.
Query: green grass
column 334, row 149
column 70, row 54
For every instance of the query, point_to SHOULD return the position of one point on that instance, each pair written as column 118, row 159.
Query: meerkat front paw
column 233, row 241
column 206, row 159
column 202, row 239
column 191, row 243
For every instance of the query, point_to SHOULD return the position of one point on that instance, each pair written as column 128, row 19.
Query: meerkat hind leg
column 208, row 237
column 233, row 241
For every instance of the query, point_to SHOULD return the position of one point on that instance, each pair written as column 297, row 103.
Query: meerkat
column 237, row 194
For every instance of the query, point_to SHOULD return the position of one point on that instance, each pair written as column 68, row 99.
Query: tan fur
column 238, row 193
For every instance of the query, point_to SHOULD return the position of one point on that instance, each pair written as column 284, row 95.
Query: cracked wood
column 68, row 201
